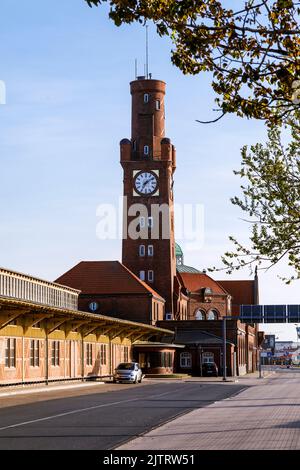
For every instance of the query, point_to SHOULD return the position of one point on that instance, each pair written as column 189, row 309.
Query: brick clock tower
column 148, row 161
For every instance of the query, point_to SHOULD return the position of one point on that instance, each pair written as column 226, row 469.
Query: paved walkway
column 264, row 416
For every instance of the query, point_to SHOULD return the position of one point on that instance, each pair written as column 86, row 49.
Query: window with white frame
column 150, row 250
column 157, row 105
column 142, row 222
column 207, row 357
column 146, row 98
column 212, row 315
column 10, row 352
column 142, row 250
column 150, row 222
column 146, row 149
column 185, row 359
column 150, row 276
column 142, row 275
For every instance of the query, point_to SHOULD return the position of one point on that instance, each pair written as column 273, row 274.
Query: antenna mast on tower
column 147, row 53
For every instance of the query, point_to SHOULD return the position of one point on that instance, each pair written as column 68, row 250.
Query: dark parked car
column 210, row 369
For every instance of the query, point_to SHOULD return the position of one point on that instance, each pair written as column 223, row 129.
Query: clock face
column 146, row 183
column 93, row 306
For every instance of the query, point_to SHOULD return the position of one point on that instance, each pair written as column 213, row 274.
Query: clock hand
column 146, row 182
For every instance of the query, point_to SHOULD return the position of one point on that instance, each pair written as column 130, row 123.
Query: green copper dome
column 178, row 250
column 180, row 262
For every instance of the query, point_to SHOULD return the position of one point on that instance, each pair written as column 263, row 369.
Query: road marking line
column 84, row 409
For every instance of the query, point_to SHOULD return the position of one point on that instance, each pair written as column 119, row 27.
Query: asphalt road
column 265, row 416
column 102, row 420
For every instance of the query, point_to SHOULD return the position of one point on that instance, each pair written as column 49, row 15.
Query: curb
column 47, row 389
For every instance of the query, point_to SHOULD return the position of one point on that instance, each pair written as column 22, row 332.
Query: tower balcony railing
column 27, row 288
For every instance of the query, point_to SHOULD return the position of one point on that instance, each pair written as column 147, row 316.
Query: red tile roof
column 104, row 277
column 242, row 293
column 194, row 282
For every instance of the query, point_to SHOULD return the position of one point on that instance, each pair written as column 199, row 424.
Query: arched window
column 199, row 314
column 185, row 359
column 212, row 315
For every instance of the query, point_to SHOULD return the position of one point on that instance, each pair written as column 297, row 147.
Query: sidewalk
column 264, row 416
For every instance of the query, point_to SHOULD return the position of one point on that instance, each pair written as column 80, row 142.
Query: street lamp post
column 224, row 348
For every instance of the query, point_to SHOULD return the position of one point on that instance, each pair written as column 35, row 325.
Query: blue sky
column 67, row 70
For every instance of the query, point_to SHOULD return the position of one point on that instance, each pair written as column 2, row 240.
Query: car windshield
column 126, row 366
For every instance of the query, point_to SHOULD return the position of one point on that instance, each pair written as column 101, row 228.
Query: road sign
column 270, row 314
column 251, row 313
column 293, row 313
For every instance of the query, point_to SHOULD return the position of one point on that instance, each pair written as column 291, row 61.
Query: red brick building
column 153, row 285
column 109, row 288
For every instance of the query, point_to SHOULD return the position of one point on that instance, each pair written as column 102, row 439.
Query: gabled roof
column 105, row 277
column 194, row 282
column 242, row 293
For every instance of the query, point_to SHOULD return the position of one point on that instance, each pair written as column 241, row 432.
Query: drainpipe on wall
column 23, row 360
column 47, row 359
column 82, row 358
column 110, row 357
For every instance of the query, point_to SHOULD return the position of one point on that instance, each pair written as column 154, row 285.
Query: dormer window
column 207, row 291
column 146, row 98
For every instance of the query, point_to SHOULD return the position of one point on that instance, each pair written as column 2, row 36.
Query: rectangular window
column 142, row 250
column 89, row 354
column 142, row 275
column 142, row 222
column 34, row 353
column 10, row 352
column 126, row 355
column 146, row 149
column 150, row 222
column 150, row 276
column 150, row 250
column 146, row 98
column 55, row 353
column 134, row 145
column 157, row 105
column 103, row 354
